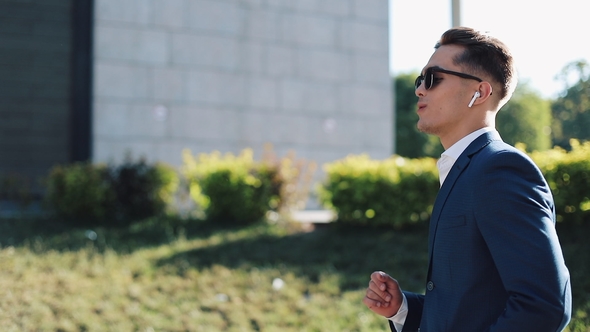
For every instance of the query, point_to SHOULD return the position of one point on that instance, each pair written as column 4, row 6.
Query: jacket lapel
column 460, row 164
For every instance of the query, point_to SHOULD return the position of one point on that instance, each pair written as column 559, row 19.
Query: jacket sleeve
column 415, row 305
column 516, row 217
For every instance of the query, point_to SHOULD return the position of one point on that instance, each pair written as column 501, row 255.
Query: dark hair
column 483, row 53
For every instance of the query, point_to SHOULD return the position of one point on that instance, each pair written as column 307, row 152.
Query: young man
column 495, row 259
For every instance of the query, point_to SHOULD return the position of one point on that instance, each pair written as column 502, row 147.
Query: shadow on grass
column 51, row 234
column 351, row 252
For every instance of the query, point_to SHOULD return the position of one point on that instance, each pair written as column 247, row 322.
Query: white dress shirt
column 444, row 165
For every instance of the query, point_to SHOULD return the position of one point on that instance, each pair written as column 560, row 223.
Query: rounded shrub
column 230, row 188
column 142, row 190
column 80, row 193
column 86, row 194
column 568, row 175
column 393, row 192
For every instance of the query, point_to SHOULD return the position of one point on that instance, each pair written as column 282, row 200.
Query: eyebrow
column 431, row 67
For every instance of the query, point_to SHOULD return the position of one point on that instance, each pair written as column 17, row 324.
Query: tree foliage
column 571, row 111
column 410, row 142
column 526, row 119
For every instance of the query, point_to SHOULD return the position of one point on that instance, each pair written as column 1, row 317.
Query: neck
column 447, row 142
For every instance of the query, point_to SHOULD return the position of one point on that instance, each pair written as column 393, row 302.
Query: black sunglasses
column 428, row 77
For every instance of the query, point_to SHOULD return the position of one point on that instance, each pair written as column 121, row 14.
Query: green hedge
column 80, row 193
column 230, row 188
column 142, row 190
column 86, row 194
column 397, row 191
column 400, row 191
column 238, row 189
column 568, row 175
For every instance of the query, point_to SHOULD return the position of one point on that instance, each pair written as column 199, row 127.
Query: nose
column 421, row 90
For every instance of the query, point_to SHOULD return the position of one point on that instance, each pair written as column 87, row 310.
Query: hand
column 384, row 296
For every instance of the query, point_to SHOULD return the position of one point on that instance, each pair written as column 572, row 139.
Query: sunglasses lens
column 428, row 77
column 418, row 81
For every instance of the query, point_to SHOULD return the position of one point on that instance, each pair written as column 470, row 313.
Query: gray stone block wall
column 305, row 75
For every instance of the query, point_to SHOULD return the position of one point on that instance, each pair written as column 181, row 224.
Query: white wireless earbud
column 475, row 96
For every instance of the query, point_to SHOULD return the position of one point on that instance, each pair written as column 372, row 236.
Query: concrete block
column 368, row 100
column 172, row 14
column 337, row 132
column 216, row 16
column 281, row 4
column 305, row 5
column 253, row 3
column 141, row 46
column 280, row 61
column 104, row 150
column 262, row 24
column 147, row 121
column 324, row 65
column 262, row 93
column 216, row 88
column 257, row 128
column 120, row 81
column 339, row 8
column 298, row 95
column 109, row 120
column 129, row 121
column 375, row 10
column 365, row 37
column 201, row 50
column 372, row 69
column 128, row 11
column 290, row 129
column 300, row 29
column 377, row 134
column 170, row 84
column 204, row 124
column 252, row 59
column 295, row 129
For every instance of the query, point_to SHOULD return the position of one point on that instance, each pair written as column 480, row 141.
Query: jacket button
column 430, row 285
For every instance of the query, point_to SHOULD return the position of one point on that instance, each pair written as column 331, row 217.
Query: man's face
column 443, row 109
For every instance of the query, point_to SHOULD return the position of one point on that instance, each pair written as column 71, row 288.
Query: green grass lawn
column 202, row 277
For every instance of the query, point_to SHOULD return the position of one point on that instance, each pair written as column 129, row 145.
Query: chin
column 424, row 128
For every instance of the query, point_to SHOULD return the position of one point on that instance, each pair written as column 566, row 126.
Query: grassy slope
column 207, row 278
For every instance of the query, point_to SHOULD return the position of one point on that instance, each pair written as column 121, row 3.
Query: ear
column 485, row 91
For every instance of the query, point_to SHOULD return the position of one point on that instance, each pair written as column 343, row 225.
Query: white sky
column 544, row 35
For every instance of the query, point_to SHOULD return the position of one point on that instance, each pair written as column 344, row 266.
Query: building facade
column 309, row 76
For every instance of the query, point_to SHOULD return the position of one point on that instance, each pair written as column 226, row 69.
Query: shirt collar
column 456, row 149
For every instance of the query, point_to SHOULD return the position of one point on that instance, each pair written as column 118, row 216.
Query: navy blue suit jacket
column 495, row 260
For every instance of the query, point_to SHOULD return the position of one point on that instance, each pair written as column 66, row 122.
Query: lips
column 421, row 106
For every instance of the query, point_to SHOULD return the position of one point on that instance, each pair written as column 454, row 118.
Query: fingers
column 373, row 299
column 383, row 284
column 383, row 296
column 378, row 291
column 382, row 277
